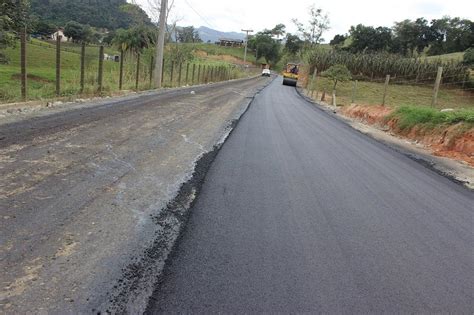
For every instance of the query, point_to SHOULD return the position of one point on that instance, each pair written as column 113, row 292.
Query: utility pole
column 160, row 44
column 246, row 43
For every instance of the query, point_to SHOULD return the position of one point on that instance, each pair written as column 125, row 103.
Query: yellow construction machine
column 290, row 74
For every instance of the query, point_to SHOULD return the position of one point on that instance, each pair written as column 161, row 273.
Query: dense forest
column 108, row 14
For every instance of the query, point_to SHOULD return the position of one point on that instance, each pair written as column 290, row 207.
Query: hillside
column 209, row 34
column 110, row 14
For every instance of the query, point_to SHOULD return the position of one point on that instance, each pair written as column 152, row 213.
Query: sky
column 226, row 15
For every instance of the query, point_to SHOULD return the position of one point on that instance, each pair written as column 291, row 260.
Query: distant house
column 59, row 32
column 229, row 42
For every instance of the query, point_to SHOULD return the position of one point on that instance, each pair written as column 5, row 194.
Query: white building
column 59, row 32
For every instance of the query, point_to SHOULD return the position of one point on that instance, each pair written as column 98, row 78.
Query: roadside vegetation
column 41, row 70
column 410, row 52
column 371, row 93
column 411, row 116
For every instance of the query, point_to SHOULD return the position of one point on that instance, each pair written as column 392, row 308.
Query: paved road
column 300, row 213
column 80, row 190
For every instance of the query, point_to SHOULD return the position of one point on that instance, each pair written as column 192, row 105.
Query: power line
column 195, row 11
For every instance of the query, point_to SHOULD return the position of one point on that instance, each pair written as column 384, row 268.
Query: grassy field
column 41, row 71
column 458, row 56
column 371, row 93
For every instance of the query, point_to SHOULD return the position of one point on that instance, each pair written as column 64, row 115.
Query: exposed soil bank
column 453, row 141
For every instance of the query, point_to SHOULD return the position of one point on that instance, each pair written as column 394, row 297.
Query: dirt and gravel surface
column 300, row 213
column 86, row 220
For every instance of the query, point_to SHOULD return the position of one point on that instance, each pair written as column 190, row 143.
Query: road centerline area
column 300, row 213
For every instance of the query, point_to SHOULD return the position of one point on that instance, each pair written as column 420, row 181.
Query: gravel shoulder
column 81, row 187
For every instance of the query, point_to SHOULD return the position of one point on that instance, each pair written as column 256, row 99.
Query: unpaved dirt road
column 81, row 193
column 300, row 213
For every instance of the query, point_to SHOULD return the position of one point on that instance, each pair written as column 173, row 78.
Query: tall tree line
column 411, row 37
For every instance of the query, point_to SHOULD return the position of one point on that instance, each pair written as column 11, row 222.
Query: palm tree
column 134, row 41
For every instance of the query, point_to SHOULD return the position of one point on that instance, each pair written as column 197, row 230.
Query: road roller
column 290, row 74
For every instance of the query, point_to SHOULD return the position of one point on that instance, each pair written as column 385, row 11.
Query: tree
column 412, row 36
column 451, row 35
column 317, row 24
column 293, row 44
column 77, row 31
column 135, row 39
column 338, row 73
column 43, row 28
column 338, row 41
column 367, row 38
column 14, row 18
column 266, row 46
column 187, row 35
column 279, row 30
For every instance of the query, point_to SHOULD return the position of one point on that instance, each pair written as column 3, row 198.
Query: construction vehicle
column 290, row 74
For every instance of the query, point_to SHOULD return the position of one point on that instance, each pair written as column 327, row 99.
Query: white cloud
column 234, row 15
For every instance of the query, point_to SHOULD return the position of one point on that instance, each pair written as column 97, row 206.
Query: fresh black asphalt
column 300, row 213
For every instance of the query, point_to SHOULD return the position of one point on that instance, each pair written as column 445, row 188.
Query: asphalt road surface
column 300, row 213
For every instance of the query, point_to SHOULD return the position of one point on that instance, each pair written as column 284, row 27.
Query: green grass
column 410, row 116
column 371, row 93
column 457, row 56
column 41, row 72
column 216, row 50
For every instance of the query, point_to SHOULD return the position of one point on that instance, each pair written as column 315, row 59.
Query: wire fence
column 398, row 91
column 47, row 70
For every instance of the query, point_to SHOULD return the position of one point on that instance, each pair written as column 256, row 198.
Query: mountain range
column 209, row 34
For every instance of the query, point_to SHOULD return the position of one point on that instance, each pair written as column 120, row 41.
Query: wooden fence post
column 83, row 65
column 387, row 80
column 23, row 64
column 121, row 69
column 137, row 77
column 58, row 65
column 152, row 63
column 354, row 91
column 313, row 81
column 434, row 102
column 100, row 78
column 180, row 68
column 172, row 72
column 199, row 74
column 163, row 72
column 187, row 73
column 194, row 70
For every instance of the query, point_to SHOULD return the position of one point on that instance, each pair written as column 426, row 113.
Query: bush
column 468, row 58
column 409, row 116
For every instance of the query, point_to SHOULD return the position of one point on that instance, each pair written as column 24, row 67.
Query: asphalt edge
column 142, row 277
column 425, row 160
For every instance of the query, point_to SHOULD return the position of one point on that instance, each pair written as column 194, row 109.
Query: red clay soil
column 453, row 141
